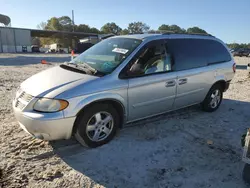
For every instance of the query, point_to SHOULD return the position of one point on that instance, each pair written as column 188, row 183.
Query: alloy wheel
column 99, row 126
column 215, row 98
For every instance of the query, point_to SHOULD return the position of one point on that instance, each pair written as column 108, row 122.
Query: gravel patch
column 187, row 148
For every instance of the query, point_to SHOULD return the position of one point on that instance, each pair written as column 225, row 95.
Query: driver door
column 152, row 86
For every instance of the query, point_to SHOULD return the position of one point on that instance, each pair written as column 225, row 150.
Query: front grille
column 23, row 100
column 26, row 97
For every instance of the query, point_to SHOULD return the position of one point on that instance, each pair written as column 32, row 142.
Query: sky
column 228, row 20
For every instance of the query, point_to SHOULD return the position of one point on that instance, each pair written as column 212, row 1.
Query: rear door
column 194, row 78
column 197, row 63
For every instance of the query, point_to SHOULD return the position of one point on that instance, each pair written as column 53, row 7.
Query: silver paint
column 139, row 97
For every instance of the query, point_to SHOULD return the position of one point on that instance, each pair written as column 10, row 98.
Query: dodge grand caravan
column 123, row 79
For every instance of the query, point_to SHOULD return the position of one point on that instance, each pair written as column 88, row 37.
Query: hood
column 51, row 79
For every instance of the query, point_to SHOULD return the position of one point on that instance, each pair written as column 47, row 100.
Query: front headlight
column 50, row 105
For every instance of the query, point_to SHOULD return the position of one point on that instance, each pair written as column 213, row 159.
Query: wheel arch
column 222, row 83
column 117, row 102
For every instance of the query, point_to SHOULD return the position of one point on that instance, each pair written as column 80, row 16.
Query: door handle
column 170, row 83
column 182, row 81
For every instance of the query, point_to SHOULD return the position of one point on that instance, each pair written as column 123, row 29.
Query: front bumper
column 46, row 126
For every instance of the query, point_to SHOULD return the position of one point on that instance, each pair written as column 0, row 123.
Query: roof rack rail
column 154, row 32
column 172, row 32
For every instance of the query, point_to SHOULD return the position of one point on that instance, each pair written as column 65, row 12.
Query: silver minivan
column 123, row 79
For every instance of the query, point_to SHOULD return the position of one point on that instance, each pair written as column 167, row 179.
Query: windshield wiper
column 91, row 69
column 85, row 65
column 69, row 63
column 77, row 67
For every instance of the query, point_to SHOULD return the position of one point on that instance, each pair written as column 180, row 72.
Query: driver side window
column 152, row 58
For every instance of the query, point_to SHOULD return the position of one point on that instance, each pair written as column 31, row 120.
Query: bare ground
column 188, row 148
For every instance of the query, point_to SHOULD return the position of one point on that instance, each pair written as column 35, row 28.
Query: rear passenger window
column 194, row 53
column 187, row 53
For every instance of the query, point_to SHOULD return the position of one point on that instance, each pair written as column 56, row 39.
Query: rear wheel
column 213, row 99
column 97, row 125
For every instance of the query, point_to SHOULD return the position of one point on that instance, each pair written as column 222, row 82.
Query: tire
column 207, row 103
column 93, row 118
column 246, row 173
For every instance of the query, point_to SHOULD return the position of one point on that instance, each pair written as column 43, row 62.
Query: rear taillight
column 234, row 67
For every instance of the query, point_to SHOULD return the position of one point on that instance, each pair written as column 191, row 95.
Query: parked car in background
column 82, row 47
column 35, row 48
column 241, row 52
column 232, row 50
column 56, row 48
column 123, row 79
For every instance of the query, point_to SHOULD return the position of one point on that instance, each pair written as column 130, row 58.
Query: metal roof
column 50, row 33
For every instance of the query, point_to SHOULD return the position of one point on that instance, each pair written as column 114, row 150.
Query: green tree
column 138, row 27
column 124, row 32
column 237, row 45
column 65, row 20
column 196, row 30
column 171, row 28
column 234, row 45
column 111, row 28
column 86, row 29
column 83, row 28
column 164, row 27
column 53, row 24
column 94, row 30
column 36, row 41
column 42, row 25
column 66, row 23
column 63, row 23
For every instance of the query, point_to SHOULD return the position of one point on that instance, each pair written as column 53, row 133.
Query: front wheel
column 97, row 125
column 213, row 99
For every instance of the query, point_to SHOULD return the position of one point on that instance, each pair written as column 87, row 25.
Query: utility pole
column 73, row 21
column 73, row 40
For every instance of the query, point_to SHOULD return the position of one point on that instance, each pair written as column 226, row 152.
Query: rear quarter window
column 216, row 52
column 194, row 53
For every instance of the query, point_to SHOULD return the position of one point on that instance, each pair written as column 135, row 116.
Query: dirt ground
column 188, row 148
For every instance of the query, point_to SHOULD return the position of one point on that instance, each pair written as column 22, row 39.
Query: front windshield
column 106, row 55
